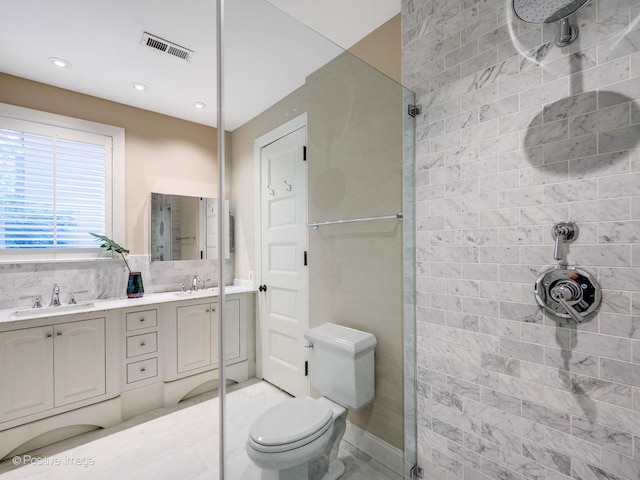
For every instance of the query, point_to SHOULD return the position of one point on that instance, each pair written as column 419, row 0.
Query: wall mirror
column 186, row 228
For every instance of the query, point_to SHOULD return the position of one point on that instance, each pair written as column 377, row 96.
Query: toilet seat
column 290, row 424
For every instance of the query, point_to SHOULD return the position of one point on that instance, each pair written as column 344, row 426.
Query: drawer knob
column 59, row 334
column 142, row 344
column 141, row 319
column 143, row 369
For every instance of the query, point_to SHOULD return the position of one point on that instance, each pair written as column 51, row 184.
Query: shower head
column 545, row 11
column 550, row 11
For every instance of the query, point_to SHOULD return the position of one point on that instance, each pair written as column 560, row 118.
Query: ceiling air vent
column 169, row 48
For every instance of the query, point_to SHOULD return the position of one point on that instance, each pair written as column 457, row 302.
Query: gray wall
column 355, row 270
column 354, row 116
column 505, row 392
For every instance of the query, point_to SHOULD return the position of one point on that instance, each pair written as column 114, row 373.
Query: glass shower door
column 359, row 165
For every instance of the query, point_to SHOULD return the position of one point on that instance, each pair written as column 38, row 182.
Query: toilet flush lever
column 564, row 232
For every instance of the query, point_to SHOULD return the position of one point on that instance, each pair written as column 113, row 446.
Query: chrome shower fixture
column 539, row 12
column 568, row 292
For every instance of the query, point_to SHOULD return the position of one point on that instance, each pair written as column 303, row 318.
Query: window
column 57, row 181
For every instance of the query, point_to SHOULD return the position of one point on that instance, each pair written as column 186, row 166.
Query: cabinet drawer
column 140, row 370
column 140, row 320
column 142, row 344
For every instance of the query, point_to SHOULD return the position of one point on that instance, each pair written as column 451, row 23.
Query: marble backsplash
column 100, row 279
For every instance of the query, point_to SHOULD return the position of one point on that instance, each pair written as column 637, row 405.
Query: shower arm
column 567, row 33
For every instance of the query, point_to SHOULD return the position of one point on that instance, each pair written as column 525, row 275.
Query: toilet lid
column 291, row 421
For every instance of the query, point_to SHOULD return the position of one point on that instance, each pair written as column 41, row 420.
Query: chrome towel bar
column 397, row 216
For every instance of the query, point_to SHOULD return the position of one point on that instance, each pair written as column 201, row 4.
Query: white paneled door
column 284, row 290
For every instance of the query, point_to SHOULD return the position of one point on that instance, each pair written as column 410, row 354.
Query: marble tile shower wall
column 516, row 135
column 19, row 282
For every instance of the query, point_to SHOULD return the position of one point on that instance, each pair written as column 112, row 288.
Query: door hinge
column 304, row 153
column 414, row 110
column 306, row 368
column 416, row 472
column 305, row 258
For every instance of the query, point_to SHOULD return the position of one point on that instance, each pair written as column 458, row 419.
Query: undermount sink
column 45, row 311
column 205, row 292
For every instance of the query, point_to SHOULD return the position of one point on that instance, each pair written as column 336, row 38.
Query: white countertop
column 13, row 315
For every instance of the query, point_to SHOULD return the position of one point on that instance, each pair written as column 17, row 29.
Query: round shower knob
column 568, row 292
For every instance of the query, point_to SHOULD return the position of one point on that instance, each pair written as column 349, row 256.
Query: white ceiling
column 267, row 52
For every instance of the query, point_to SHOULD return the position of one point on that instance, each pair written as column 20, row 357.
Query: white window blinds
column 54, row 186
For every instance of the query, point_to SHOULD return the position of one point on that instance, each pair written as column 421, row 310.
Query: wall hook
column 288, row 186
column 271, row 190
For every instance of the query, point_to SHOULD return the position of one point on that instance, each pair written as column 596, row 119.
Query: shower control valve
column 568, row 292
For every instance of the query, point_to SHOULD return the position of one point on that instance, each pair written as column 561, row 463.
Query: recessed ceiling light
column 200, row 105
column 59, row 62
column 140, row 87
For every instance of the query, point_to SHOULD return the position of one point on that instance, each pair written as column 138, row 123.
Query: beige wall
column 163, row 154
column 381, row 48
column 354, row 134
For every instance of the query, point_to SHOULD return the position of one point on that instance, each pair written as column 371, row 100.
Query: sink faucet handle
column 37, row 300
column 204, row 283
column 72, row 298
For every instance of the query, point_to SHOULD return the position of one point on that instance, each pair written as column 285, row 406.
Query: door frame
column 258, row 144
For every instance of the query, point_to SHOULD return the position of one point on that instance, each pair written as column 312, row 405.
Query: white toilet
column 298, row 439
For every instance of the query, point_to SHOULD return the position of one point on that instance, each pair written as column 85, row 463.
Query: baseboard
column 373, row 446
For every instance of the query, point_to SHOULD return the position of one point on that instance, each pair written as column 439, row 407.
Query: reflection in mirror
column 185, row 228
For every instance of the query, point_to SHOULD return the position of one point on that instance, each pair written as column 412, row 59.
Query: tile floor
column 176, row 443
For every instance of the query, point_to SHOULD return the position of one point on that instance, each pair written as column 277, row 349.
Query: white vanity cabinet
column 26, row 360
column 64, row 373
column 191, row 348
column 140, row 347
column 197, row 336
column 51, row 366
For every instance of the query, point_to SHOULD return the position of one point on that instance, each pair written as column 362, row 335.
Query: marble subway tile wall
column 103, row 279
column 516, row 135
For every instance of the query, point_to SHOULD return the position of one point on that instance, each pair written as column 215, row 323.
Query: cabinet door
column 193, row 336
column 26, row 372
column 231, row 333
column 79, row 359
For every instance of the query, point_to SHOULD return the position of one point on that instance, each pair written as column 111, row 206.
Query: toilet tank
column 341, row 364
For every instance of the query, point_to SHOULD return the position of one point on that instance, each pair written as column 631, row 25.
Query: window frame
column 115, row 185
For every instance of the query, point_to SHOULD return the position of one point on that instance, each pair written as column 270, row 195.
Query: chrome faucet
column 55, row 296
column 194, row 284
